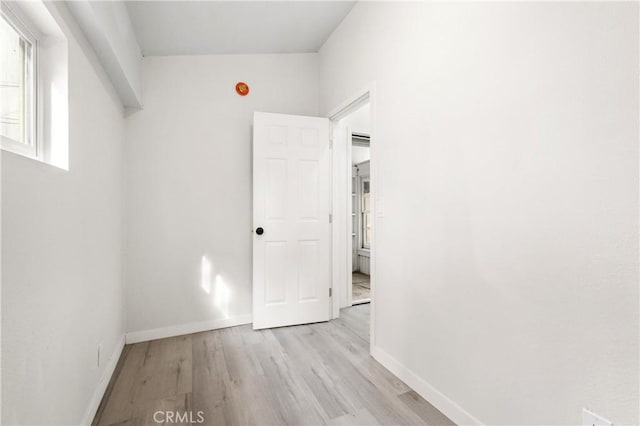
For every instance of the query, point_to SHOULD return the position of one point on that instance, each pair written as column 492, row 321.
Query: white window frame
column 363, row 229
column 31, row 147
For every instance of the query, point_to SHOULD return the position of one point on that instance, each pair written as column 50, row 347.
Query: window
column 17, row 86
column 366, row 214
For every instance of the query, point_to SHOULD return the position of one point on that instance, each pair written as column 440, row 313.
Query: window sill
column 18, row 148
column 364, row 252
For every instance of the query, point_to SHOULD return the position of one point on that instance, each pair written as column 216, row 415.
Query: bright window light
column 17, row 87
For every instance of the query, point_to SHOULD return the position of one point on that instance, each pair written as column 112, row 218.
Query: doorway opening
column 360, row 215
column 354, row 203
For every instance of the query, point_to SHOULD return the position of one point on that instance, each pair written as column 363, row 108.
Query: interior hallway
column 309, row 374
column 360, row 288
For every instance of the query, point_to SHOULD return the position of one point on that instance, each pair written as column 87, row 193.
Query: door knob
column 259, row 231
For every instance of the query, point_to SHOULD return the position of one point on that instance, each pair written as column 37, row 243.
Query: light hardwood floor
column 360, row 287
column 303, row 375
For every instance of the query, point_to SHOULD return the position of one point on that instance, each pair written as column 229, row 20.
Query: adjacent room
column 319, row 213
column 359, row 128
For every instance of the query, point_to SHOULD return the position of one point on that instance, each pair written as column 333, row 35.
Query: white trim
column 341, row 254
column 373, row 175
column 352, row 103
column 436, row 398
column 192, row 327
column 98, row 394
column 350, row 199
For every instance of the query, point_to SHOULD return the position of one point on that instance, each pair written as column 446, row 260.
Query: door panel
column 308, row 252
column 275, row 277
column 291, row 202
column 276, row 189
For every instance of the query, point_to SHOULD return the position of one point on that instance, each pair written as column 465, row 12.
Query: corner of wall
column 436, row 398
column 101, row 388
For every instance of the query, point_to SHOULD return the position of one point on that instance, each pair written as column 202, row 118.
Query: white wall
column 507, row 159
column 61, row 261
column 189, row 181
column 359, row 121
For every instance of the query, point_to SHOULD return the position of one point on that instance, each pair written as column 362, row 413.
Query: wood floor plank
column 239, row 361
column 164, row 411
column 356, row 318
column 166, row 369
column 356, row 351
column 109, row 391
column 121, row 402
column 360, row 287
column 325, row 387
column 361, row 417
column 296, row 402
column 317, row 374
column 358, row 387
column 211, row 382
column 427, row 412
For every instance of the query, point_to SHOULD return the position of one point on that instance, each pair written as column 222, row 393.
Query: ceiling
column 217, row 27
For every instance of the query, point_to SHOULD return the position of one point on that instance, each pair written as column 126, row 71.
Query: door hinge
column 331, row 143
column 330, row 218
column 330, row 291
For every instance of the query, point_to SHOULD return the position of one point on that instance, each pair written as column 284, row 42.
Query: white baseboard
column 143, row 336
column 192, row 327
column 103, row 383
column 425, row 390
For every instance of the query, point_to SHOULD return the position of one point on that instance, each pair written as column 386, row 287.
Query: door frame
column 341, row 196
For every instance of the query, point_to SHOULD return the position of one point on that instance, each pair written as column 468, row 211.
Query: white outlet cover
column 589, row 418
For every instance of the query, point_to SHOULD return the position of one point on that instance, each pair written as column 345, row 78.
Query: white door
column 291, row 229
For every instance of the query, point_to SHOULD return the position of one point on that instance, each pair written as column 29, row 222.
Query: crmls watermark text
column 178, row 417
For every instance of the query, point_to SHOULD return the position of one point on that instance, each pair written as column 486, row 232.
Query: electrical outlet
column 99, row 354
column 589, row 418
